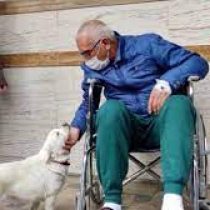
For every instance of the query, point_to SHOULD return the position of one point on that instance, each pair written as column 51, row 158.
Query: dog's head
column 53, row 147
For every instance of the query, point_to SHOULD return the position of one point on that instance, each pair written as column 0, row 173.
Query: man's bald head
column 93, row 30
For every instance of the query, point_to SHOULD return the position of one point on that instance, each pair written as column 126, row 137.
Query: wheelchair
column 90, row 193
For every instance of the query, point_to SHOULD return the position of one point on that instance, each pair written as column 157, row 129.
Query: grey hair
column 95, row 30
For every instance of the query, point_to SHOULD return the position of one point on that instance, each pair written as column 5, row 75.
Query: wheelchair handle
column 193, row 78
column 190, row 88
column 207, row 152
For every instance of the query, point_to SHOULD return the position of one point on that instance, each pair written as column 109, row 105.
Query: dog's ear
column 44, row 155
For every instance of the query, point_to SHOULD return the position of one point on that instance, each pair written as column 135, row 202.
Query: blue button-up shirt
column 140, row 60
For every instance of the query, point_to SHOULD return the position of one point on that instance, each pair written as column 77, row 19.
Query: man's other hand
column 156, row 100
column 74, row 135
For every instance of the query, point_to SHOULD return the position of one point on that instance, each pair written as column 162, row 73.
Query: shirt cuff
column 163, row 85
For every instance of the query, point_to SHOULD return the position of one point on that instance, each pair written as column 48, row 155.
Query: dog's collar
column 64, row 163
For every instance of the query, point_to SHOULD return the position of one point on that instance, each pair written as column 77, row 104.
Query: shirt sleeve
column 177, row 62
column 79, row 120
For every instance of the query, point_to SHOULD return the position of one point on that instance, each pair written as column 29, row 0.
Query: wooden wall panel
column 29, row 6
column 66, row 58
column 70, row 58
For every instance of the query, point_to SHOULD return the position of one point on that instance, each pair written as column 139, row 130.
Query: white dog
column 39, row 177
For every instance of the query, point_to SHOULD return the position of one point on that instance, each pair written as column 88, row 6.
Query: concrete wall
column 39, row 99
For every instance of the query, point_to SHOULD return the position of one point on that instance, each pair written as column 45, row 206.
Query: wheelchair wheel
column 80, row 203
column 202, row 159
column 96, row 192
column 81, row 197
column 90, row 195
column 198, row 179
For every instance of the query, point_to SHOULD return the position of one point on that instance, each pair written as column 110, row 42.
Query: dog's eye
column 57, row 133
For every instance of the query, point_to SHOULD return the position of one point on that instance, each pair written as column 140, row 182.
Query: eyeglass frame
column 87, row 53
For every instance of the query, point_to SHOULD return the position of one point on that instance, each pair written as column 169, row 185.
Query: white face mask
column 96, row 64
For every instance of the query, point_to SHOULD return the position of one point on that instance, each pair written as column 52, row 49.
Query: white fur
column 38, row 178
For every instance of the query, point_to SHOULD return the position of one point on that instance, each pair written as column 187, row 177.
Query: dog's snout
column 66, row 128
column 66, row 125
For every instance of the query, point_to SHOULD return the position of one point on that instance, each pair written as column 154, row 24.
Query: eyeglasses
column 87, row 53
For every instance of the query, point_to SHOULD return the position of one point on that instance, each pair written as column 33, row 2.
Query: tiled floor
column 139, row 195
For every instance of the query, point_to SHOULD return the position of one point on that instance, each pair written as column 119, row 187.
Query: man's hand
column 73, row 138
column 156, row 100
column 159, row 94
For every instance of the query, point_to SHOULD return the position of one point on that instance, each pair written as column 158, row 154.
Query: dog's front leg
column 50, row 203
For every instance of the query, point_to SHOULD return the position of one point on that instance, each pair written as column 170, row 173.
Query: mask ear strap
column 108, row 50
column 108, row 46
column 98, row 49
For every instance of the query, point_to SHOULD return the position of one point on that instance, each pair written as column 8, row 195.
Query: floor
column 139, row 195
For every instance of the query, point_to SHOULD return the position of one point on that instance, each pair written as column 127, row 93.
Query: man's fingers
column 72, row 139
column 150, row 103
column 157, row 98
column 161, row 100
column 164, row 95
column 154, row 105
column 67, row 147
column 69, row 143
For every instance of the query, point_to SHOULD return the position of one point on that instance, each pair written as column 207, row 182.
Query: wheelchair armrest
column 193, row 78
column 190, row 89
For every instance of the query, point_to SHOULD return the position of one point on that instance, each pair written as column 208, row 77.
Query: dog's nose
column 66, row 125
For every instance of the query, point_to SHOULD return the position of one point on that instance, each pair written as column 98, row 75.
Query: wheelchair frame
column 90, row 194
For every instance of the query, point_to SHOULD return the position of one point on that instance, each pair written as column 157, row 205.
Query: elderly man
column 142, row 76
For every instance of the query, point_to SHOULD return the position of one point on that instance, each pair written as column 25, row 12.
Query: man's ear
column 44, row 155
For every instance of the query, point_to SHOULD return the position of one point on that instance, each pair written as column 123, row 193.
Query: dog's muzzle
column 66, row 125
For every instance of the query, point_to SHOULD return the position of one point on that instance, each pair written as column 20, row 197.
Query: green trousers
column 119, row 131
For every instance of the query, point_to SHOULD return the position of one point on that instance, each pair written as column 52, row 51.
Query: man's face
column 88, row 49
